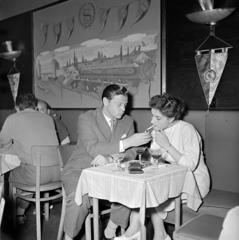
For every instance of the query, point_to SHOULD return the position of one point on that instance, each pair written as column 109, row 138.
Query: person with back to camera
column 25, row 128
column 61, row 129
column 180, row 144
column 95, row 145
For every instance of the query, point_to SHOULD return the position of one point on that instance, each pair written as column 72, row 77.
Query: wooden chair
column 63, row 213
column 202, row 227
column 88, row 229
column 88, row 220
column 42, row 156
column 217, row 202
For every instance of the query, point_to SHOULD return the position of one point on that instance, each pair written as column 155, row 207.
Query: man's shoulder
column 90, row 114
column 14, row 116
column 127, row 118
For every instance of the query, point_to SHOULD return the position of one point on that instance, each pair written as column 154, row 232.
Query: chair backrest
column 46, row 155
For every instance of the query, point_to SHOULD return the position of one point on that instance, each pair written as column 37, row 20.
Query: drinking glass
column 139, row 152
column 118, row 158
column 156, row 155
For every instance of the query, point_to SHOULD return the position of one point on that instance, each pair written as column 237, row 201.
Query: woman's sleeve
column 190, row 147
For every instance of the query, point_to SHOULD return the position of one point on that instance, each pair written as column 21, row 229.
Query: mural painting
column 76, row 57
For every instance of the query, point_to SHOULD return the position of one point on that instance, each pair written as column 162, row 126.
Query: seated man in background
column 25, row 128
column 97, row 140
column 61, row 129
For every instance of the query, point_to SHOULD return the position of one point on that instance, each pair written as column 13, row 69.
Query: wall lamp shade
column 9, row 53
column 210, row 16
column 13, row 74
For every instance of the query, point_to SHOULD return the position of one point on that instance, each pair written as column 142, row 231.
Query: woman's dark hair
column 26, row 100
column 111, row 90
column 168, row 105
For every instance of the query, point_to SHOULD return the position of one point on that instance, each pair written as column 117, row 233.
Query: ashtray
column 135, row 167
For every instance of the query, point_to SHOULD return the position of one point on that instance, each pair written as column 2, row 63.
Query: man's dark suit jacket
column 95, row 137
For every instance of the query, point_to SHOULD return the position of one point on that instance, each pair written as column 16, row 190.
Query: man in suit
column 96, row 142
column 22, row 130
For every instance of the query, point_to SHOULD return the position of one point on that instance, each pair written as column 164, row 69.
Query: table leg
column 142, row 211
column 96, row 218
column 2, row 183
column 177, row 212
column 143, row 232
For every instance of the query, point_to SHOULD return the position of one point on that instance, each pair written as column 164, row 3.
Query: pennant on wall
column 210, row 67
column 143, row 7
column 44, row 32
column 14, row 83
column 69, row 23
column 104, row 13
column 86, row 18
column 122, row 15
column 57, row 31
column 87, row 14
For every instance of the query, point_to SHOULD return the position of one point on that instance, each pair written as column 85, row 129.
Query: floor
column 27, row 231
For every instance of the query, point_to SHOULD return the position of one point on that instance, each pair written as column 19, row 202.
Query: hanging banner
column 14, row 83
column 210, row 67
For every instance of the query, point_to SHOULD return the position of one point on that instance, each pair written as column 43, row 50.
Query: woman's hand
column 162, row 140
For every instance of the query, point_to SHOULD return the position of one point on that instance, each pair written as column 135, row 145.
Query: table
column 8, row 162
column 142, row 191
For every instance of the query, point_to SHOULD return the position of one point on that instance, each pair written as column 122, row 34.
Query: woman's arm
column 188, row 150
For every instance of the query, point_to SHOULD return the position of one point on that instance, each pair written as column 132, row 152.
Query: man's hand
column 136, row 140
column 99, row 160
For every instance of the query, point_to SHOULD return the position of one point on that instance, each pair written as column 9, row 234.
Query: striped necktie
column 112, row 124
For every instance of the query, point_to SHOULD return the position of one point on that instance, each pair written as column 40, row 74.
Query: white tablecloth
column 8, row 162
column 149, row 189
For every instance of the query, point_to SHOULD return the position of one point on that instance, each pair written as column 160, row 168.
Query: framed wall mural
column 81, row 46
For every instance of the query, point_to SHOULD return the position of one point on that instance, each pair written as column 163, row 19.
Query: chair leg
column 63, row 212
column 38, row 215
column 46, row 207
column 13, row 193
column 88, row 226
column 88, row 232
column 177, row 212
column 2, row 205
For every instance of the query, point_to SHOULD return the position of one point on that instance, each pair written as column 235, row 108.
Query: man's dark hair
column 26, row 100
column 44, row 102
column 112, row 90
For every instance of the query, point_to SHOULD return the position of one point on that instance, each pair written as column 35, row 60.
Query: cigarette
column 149, row 128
